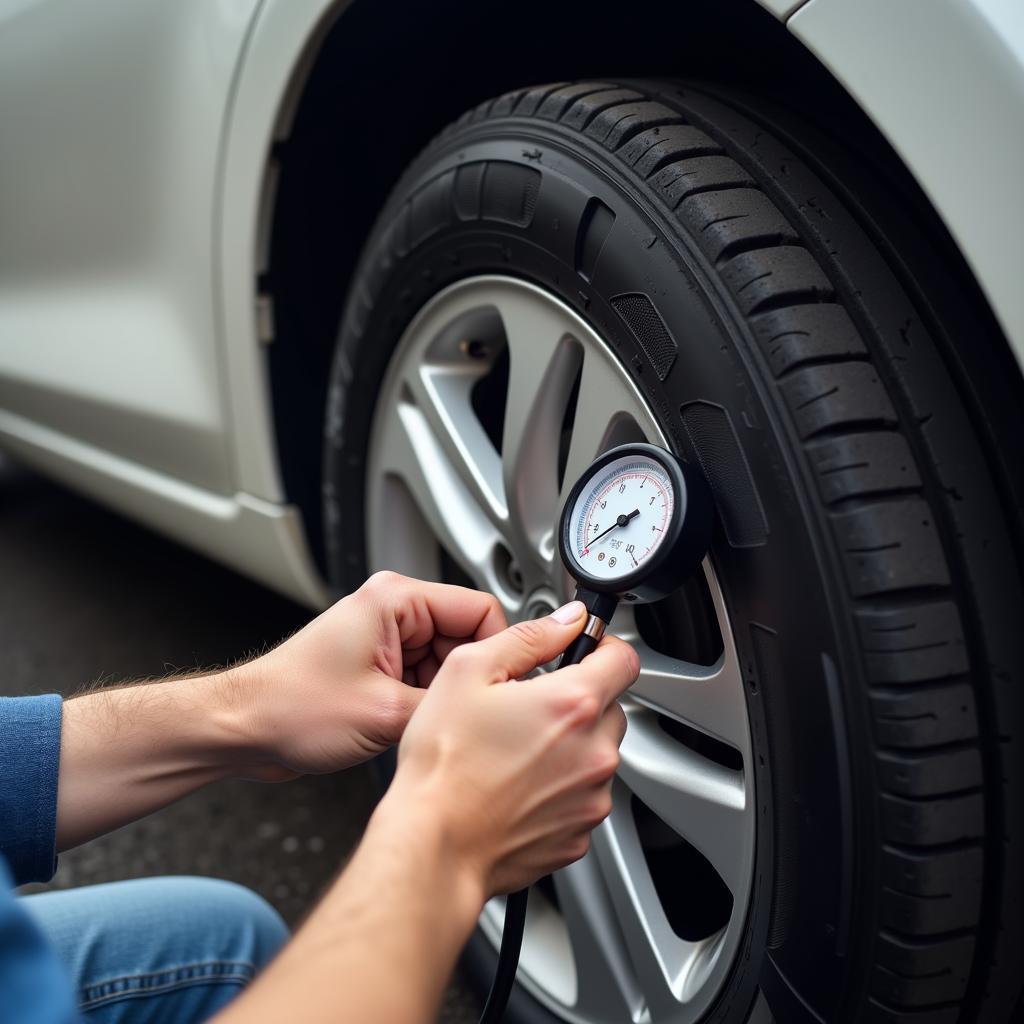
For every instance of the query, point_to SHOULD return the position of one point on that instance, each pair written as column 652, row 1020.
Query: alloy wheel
column 497, row 397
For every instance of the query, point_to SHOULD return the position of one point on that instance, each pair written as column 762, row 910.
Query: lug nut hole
column 509, row 571
column 474, row 348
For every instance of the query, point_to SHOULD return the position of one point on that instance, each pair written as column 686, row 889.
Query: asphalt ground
column 86, row 595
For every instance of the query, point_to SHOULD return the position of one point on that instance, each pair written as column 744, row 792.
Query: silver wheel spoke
column 410, row 450
column 701, row 800
column 709, row 698
column 543, row 362
column 704, row 697
column 605, row 984
column 655, row 952
column 442, row 393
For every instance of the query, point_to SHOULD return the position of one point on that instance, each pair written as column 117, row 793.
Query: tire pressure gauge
column 634, row 526
column 636, row 523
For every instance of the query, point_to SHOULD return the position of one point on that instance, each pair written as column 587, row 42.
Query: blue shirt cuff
column 29, row 765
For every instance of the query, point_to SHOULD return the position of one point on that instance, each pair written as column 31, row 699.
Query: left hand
column 341, row 690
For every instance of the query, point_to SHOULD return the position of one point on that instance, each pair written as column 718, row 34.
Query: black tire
column 867, row 554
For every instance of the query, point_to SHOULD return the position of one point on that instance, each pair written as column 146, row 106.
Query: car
column 321, row 288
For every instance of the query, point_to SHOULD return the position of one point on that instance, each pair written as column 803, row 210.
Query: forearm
column 383, row 942
column 128, row 751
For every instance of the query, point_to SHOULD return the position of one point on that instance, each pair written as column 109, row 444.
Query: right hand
column 519, row 770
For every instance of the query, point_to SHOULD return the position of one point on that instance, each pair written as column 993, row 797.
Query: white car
column 320, row 288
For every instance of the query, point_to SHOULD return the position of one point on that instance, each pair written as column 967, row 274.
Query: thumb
column 518, row 650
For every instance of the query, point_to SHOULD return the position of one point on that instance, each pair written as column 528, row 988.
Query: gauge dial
column 621, row 517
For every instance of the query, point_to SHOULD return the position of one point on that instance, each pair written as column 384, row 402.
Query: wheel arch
column 323, row 125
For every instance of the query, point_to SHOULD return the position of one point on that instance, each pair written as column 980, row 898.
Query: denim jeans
column 158, row 950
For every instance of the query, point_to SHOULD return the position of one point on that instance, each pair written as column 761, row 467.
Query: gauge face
column 621, row 517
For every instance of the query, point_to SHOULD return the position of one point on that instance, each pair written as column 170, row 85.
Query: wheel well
column 387, row 78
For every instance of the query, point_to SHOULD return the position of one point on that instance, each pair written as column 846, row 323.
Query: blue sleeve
column 29, row 763
column 34, row 986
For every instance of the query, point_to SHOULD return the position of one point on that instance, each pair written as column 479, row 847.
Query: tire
column 864, row 547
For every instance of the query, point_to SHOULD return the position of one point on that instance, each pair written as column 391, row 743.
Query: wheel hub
column 540, row 603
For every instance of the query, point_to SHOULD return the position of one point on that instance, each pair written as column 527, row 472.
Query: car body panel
column 261, row 538
column 111, row 117
column 137, row 187
column 944, row 82
column 113, row 371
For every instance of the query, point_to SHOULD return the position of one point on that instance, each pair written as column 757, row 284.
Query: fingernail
column 568, row 613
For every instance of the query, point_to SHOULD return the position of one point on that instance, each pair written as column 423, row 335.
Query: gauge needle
column 620, row 521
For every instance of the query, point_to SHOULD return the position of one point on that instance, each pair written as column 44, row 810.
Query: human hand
column 342, row 689
column 518, row 772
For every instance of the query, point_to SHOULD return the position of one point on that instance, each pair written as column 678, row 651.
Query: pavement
column 86, row 595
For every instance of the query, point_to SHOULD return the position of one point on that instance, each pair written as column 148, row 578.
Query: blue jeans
column 158, row 950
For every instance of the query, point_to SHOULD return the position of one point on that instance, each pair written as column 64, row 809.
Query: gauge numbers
column 621, row 517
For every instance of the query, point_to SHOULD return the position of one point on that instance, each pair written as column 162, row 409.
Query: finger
column 423, row 609
column 425, row 671
column 444, row 645
column 414, row 655
column 439, row 647
column 609, row 671
column 421, row 663
column 518, row 650
column 421, row 675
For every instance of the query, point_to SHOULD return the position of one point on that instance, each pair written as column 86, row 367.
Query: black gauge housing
column 687, row 537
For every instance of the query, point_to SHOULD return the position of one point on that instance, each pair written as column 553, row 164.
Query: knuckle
column 577, row 702
column 604, row 763
column 578, row 847
column 610, row 760
column 460, row 659
column 383, row 581
column 560, row 704
column 615, row 724
column 587, row 707
column 618, row 717
column 598, row 809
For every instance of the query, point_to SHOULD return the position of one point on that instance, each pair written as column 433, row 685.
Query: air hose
column 508, row 957
column 600, row 608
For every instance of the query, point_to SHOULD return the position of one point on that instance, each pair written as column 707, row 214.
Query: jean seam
column 206, row 972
